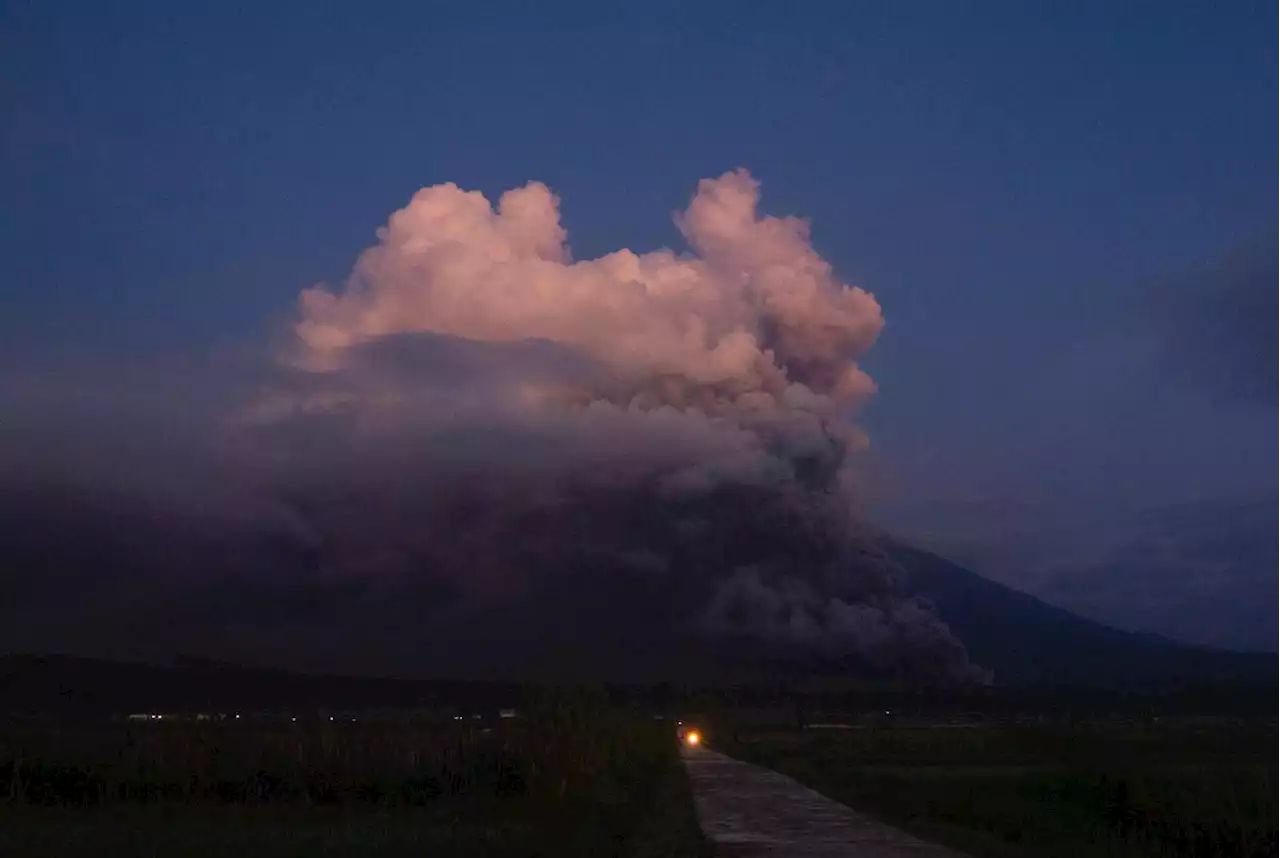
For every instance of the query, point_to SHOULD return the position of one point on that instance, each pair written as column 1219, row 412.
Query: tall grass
column 1142, row 790
column 568, row 779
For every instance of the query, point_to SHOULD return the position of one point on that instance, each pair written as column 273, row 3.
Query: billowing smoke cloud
column 757, row 314
column 484, row 447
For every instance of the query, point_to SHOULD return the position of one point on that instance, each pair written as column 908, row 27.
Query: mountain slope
column 1201, row 573
column 1025, row 640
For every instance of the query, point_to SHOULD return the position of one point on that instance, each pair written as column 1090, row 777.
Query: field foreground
column 563, row 783
column 1125, row 789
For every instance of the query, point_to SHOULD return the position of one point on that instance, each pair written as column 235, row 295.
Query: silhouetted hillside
column 1025, row 640
column 86, row 686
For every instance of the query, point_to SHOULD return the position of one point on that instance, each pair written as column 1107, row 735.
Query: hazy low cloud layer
column 1216, row 326
column 480, row 453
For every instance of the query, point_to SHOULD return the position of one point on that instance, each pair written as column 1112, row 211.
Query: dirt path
column 747, row 811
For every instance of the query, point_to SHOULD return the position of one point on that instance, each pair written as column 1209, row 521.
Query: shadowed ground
column 747, row 811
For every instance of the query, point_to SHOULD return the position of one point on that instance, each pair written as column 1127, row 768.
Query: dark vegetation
column 569, row 778
column 1036, row 770
column 1140, row 787
column 77, row 687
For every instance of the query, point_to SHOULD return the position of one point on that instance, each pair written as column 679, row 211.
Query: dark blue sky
column 1013, row 181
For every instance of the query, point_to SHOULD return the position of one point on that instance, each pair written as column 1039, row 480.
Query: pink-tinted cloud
column 754, row 313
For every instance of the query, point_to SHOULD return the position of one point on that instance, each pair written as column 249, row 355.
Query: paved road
column 747, row 811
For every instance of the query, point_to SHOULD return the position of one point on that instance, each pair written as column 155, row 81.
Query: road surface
column 746, row 811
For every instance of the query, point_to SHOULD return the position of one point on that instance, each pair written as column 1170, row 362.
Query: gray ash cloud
column 483, row 456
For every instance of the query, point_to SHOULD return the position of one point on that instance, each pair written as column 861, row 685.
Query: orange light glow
column 693, row 738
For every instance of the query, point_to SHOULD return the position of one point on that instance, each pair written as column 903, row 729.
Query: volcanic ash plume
column 504, row 419
column 754, row 331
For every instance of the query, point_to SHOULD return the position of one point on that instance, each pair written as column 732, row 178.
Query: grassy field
column 566, row 781
column 1167, row 789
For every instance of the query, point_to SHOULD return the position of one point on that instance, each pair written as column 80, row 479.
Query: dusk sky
column 1065, row 212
